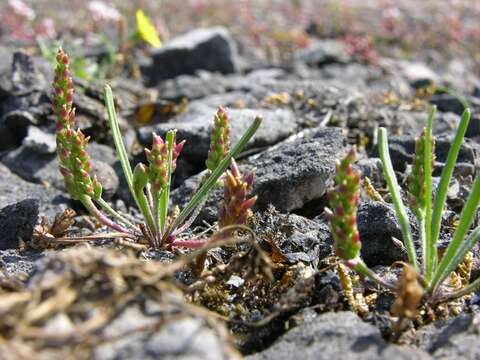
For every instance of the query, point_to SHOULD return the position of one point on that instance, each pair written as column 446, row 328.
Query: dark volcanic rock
column 36, row 166
column 195, row 127
column 14, row 189
column 39, row 141
column 296, row 238
column 185, row 338
column 295, row 173
column 17, row 222
column 456, row 339
column 377, row 225
column 287, row 176
column 23, row 100
column 14, row 262
column 447, row 103
column 323, row 52
column 402, row 148
column 341, row 335
column 418, row 74
column 209, row 49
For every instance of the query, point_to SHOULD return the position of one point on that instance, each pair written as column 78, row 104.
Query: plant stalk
column 394, row 189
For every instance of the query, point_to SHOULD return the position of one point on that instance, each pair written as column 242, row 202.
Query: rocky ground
column 276, row 299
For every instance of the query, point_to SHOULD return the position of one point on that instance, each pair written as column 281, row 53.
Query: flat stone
column 402, row 147
column 287, row 176
column 454, row 339
column 195, row 125
column 418, row 74
column 295, row 237
column 40, row 141
column 377, row 224
column 38, row 167
column 333, row 336
column 17, row 222
column 209, row 49
column 323, row 52
column 14, row 189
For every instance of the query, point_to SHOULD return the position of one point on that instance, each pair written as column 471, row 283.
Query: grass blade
column 427, row 165
column 165, row 196
column 442, row 189
column 451, row 256
column 394, row 189
column 214, row 176
column 117, row 138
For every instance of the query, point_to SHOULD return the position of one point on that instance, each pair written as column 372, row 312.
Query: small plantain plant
column 149, row 183
column 431, row 270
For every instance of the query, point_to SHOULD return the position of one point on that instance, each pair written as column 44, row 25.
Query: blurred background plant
column 269, row 29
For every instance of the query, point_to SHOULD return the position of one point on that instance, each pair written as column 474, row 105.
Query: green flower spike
column 219, row 140
column 157, row 158
column 416, row 181
column 75, row 164
column 344, row 200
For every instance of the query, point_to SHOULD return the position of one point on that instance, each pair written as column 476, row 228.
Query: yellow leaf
column 146, row 30
column 145, row 113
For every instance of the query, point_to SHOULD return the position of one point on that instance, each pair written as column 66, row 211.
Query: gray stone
column 25, row 75
column 377, row 225
column 341, row 335
column 14, row 189
column 39, row 141
column 38, row 167
column 371, row 168
column 23, row 99
column 448, row 103
column 14, row 262
column 323, row 52
column 195, row 127
column 296, row 238
column 402, row 147
column 455, row 339
column 17, row 222
column 26, row 87
column 209, row 49
column 418, row 74
column 185, row 338
column 288, row 176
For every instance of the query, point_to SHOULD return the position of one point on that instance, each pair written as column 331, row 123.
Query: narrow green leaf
column 427, row 165
column 210, row 183
column 442, row 189
column 140, row 181
column 394, row 189
column 450, row 259
column 110, row 211
column 117, row 138
column 165, row 196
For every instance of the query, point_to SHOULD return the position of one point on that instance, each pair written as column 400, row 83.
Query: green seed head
column 344, row 200
column 219, row 139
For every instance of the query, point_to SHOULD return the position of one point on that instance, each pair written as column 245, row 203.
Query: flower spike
column 75, row 164
column 416, row 181
column 219, row 140
column 344, row 200
column 157, row 158
column 236, row 207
